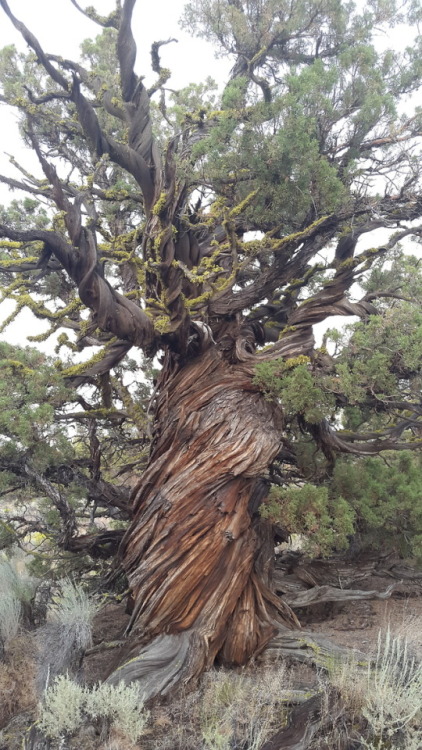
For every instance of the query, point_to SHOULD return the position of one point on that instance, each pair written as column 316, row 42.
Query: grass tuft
column 66, row 634
column 74, row 610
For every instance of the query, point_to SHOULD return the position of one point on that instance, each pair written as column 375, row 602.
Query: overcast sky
column 60, row 29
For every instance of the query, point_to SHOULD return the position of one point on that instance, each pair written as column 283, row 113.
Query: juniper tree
column 63, row 468
column 150, row 196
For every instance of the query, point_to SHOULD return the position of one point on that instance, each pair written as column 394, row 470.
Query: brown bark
column 196, row 558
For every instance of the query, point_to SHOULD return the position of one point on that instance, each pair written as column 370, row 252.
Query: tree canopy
column 215, row 227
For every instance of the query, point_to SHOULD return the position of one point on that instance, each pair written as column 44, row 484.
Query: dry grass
column 17, row 679
column 382, row 699
column 117, row 741
column 66, row 634
column 405, row 623
column 230, row 709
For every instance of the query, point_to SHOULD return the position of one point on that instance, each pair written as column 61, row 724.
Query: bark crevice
column 197, row 559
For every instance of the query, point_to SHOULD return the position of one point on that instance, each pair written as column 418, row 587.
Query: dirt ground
column 356, row 624
column 109, row 625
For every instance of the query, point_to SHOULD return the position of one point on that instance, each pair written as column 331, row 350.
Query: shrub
column 388, row 694
column 236, row 709
column 66, row 634
column 73, row 609
column 16, row 588
column 394, row 694
column 120, row 704
column 67, row 705
column 62, row 711
column 10, row 611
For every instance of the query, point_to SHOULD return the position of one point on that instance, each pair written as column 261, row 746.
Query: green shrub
column 324, row 521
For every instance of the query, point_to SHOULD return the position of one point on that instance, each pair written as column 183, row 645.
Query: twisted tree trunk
column 196, row 555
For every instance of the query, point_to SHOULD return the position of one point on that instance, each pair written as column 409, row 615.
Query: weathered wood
column 320, row 594
column 103, row 646
column 309, row 648
column 294, row 569
column 194, row 552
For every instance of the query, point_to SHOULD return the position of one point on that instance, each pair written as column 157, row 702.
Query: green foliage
column 380, row 355
column 24, row 214
column 325, row 520
column 386, row 498
column 30, row 392
column 295, row 386
column 312, row 118
column 376, row 499
column 284, row 144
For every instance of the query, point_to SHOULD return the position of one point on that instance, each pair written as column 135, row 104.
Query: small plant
column 394, row 700
column 121, row 705
column 16, row 588
column 10, row 612
column 66, row 634
column 241, row 709
column 62, row 711
column 387, row 694
column 67, row 705
column 73, row 609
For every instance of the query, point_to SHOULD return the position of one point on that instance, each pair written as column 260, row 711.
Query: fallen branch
column 309, row 648
column 320, row 594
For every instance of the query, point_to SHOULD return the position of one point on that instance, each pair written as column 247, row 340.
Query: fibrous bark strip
column 194, row 552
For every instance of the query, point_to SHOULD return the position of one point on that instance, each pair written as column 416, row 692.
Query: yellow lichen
column 160, row 204
column 237, row 210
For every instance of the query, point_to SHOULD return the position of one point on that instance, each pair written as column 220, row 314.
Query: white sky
column 60, row 28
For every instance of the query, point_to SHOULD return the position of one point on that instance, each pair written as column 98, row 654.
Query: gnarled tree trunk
column 196, row 555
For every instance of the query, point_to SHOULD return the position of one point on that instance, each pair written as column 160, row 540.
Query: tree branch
column 113, row 312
